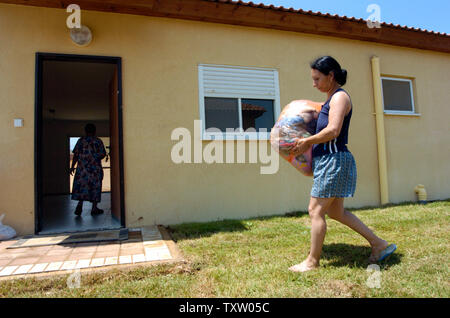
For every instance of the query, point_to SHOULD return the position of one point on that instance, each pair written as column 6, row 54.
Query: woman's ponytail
column 341, row 77
column 327, row 64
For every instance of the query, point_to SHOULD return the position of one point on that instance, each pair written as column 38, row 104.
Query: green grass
column 250, row 258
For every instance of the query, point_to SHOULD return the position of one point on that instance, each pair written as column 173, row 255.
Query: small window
column 238, row 102
column 397, row 96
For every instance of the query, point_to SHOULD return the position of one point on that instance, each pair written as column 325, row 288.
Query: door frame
column 38, row 125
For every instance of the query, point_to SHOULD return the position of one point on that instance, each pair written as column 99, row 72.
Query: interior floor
column 59, row 217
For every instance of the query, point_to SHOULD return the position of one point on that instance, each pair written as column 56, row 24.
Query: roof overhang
column 248, row 14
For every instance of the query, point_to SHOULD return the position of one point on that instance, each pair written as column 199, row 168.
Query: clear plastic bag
column 297, row 120
column 6, row 232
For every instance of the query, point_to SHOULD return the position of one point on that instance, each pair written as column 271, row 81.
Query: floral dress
column 87, row 184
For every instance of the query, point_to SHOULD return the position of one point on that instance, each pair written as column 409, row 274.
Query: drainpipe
column 381, row 140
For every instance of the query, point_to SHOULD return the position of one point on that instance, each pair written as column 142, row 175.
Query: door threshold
column 54, row 232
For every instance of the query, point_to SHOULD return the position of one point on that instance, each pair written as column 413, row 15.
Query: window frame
column 236, row 135
column 411, row 89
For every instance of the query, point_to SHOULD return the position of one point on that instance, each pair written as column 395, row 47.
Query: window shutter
column 238, row 82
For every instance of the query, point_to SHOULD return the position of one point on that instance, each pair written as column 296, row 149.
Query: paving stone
column 38, row 268
column 130, row 245
column 24, row 269
column 83, row 263
column 67, row 265
column 5, row 244
column 4, row 262
column 107, row 248
column 106, row 254
column 151, row 257
column 158, row 243
column 24, row 261
column 97, row 262
column 6, row 256
column 52, row 259
column 87, row 249
column 8, row 270
column 76, row 257
column 138, row 258
column 157, row 253
column 58, row 252
column 112, row 260
column 12, row 255
column 125, row 259
column 54, row 266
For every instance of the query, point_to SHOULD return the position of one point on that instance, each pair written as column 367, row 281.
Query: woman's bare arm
column 339, row 107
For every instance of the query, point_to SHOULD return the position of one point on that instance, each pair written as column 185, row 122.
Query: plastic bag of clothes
column 297, row 120
column 6, row 232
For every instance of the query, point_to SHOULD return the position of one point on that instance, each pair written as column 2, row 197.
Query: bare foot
column 376, row 250
column 303, row 267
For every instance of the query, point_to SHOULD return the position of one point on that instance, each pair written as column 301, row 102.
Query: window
column 397, row 96
column 238, row 102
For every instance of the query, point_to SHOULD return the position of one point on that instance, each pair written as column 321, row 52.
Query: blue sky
column 424, row 14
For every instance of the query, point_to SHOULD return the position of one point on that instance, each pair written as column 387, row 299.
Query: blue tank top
column 338, row 144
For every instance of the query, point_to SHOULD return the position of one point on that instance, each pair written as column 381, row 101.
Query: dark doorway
column 71, row 91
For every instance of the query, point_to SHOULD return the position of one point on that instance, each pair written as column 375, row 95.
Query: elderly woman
column 334, row 167
column 87, row 184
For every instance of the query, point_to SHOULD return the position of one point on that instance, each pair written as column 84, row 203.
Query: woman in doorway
column 87, row 184
column 334, row 167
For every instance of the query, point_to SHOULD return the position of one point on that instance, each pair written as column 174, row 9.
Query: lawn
column 250, row 258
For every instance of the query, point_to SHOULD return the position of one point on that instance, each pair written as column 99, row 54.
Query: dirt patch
column 337, row 288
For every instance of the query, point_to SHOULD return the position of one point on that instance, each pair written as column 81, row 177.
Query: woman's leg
column 79, row 208
column 337, row 212
column 95, row 210
column 317, row 210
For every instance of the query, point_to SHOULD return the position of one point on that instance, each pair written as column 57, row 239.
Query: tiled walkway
column 147, row 244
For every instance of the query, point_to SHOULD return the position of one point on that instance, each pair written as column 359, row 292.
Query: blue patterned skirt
column 334, row 175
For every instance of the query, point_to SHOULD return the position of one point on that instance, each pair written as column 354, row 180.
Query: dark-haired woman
column 334, row 167
column 87, row 184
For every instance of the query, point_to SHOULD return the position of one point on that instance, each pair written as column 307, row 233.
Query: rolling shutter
column 240, row 82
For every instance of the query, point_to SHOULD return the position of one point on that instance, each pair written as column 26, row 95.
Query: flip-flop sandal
column 387, row 251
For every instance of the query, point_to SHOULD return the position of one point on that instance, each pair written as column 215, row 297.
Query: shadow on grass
column 340, row 254
column 199, row 230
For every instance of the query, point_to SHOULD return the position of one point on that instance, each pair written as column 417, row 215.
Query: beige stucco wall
column 160, row 93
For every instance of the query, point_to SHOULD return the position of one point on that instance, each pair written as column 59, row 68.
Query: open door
column 116, row 202
column 61, row 112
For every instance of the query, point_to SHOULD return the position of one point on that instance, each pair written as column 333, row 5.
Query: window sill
column 402, row 114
